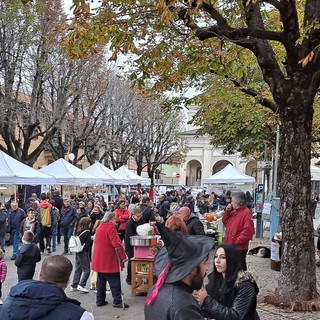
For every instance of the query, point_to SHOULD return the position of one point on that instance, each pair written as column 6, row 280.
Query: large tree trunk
column 298, row 278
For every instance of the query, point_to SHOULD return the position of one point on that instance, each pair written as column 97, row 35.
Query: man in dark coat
column 147, row 211
column 68, row 219
column 194, row 225
column 44, row 299
column 15, row 217
column 163, row 206
column 3, row 225
column 131, row 230
column 58, row 203
column 180, row 267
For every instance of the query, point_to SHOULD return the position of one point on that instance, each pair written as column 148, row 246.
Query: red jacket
column 239, row 227
column 104, row 255
column 122, row 216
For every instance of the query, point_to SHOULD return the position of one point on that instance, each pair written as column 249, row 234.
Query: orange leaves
column 162, row 8
column 114, row 56
column 304, row 61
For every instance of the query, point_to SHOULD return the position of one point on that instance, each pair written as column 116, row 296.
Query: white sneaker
column 82, row 289
column 73, row 289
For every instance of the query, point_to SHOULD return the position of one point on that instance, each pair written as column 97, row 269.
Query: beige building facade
column 203, row 160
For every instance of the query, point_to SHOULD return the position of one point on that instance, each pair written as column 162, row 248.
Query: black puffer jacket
column 240, row 304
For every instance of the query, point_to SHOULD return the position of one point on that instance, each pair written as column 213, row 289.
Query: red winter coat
column 104, row 255
column 122, row 216
column 239, row 227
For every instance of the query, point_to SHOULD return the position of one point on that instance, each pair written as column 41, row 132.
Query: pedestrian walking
column 27, row 258
column 82, row 261
column 105, row 261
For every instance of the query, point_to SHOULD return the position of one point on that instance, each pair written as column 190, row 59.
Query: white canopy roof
column 133, row 178
column 13, row 171
column 315, row 173
column 107, row 175
column 68, row 174
column 229, row 175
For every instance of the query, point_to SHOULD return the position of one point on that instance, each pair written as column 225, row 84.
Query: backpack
column 75, row 243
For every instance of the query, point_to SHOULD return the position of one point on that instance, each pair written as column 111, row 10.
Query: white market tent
column 68, row 174
column 315, row 173
column 229, row 175
column 107, row 175
column 15, row 172
column 133, row 178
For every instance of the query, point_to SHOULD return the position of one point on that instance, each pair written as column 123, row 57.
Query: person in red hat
column 180, row 267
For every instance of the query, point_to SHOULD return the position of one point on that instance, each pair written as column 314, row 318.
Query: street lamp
column 71, row 157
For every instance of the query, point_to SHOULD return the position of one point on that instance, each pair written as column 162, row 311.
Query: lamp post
column 71, row 157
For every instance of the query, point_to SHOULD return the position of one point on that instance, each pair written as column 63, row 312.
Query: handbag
column 317, row 231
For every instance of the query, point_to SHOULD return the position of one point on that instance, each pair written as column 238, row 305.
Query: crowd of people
column 104, row 229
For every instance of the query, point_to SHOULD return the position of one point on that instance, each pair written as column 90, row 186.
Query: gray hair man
column 237, row 219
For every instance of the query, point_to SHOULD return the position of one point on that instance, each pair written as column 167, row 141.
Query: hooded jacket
column 45, row 213
column 27, row 258
column 239, row 302
column 31, row 299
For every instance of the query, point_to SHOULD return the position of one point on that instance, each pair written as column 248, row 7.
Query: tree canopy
column 179, row 43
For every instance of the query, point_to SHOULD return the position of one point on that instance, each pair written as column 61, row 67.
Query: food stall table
column 142, row 275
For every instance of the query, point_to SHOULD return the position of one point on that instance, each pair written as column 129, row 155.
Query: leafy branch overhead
column 179, row 43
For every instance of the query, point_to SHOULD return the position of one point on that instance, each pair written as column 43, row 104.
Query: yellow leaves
column 250, row 2
column 304, row 61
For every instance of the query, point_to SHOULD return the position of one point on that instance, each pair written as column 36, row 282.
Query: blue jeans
column 15, row 239
column 54, row 236
column 67, row 232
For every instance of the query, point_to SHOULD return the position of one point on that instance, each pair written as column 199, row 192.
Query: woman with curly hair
column 230, row 294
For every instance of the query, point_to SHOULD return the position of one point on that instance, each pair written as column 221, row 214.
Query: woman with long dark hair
column 82, row 268
column 230, row 294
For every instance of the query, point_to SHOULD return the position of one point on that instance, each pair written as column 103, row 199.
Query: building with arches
column 204, row 160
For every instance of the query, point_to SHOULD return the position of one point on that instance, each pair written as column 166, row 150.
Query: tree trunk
column 297, row 280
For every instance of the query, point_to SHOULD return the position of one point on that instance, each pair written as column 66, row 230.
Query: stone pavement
column 267, row 280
